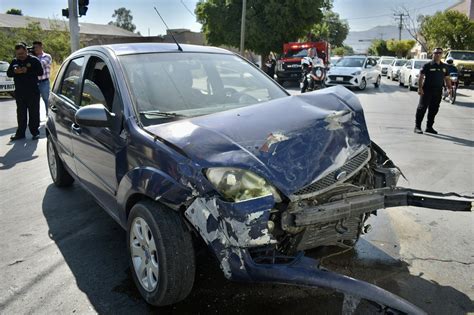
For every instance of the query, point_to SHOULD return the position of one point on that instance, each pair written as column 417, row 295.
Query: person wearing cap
column 433, row 76
column 25, row 69
column 451, row 67
column 43, row 81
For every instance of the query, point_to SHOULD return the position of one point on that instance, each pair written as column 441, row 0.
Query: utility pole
column 242, row 28
column 73, row 25
column 400, row 24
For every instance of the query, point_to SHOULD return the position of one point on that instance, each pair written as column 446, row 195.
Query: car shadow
column 93, row 246
column 455, row 140
column 20, row 151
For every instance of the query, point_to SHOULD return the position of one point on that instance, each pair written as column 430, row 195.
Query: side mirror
column 94, row 116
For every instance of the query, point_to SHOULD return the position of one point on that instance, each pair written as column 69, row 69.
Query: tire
column 410, row 87
column 377, row 83
column 363, row 84
column 170, row 261
column 400, row 82
column 453, row 98
column 59, row 174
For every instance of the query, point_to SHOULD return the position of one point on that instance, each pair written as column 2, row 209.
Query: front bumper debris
column 357, row 203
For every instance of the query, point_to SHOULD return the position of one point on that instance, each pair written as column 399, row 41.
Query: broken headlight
column 239, row 185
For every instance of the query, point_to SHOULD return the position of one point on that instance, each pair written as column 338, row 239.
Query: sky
column 361, row 14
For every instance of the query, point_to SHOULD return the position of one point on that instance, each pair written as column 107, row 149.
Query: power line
column 187, row 9
column 388, row 14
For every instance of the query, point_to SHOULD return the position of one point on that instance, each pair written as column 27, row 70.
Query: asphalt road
column 60, row 253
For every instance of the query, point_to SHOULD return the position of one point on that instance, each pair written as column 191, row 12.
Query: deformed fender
column 228, row 226
column 153, row 183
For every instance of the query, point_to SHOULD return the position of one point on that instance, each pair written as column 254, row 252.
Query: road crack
column 440, row 260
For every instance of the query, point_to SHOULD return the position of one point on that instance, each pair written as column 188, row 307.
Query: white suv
column 356, row 71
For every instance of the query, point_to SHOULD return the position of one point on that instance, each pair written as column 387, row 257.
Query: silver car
column 393, row 70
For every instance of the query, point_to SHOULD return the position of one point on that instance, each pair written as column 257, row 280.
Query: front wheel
column 59, row 174
column 363, row 84
column 161, row 253
column 452, row 99
column 377, row 83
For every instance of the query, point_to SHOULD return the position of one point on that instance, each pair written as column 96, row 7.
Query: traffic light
column 66, row 13
column 83, row 7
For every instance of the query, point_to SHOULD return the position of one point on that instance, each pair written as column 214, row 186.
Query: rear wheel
column 161, row 253
column 59, row 174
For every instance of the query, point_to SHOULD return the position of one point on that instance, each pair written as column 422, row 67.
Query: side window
column 98, row 84
column 70, row 80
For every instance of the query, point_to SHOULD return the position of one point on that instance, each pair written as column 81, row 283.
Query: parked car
column 464, row 61
column 354, row 71
column 393, row 70
column 7, row 85
column 383, row 63
column 195, row 144
column 410, row 73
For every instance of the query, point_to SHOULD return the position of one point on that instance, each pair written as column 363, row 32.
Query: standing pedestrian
column 43, row 81
column 25, row 70
column 270, row 65
column 430, row 88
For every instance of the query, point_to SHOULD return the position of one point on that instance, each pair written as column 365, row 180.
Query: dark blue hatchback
column 197, row 144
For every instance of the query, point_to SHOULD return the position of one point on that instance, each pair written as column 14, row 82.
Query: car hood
column 344, row 70
column 291, row 141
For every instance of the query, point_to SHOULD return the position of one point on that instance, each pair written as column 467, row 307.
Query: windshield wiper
column 160, row 114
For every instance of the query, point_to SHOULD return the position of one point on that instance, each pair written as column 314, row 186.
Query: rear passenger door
column 62, row 107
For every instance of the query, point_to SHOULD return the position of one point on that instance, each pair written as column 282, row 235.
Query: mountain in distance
column 360, row 41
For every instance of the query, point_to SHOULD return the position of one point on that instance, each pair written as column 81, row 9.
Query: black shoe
column 35, row 137
column 431, row 130
column 16, row 137
column 418, row 130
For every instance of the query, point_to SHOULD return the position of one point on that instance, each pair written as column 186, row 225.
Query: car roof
column 143, row 48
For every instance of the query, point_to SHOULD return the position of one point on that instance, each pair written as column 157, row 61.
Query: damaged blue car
column 184, row 143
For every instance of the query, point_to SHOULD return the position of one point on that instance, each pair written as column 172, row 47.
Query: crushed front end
column 264, row 238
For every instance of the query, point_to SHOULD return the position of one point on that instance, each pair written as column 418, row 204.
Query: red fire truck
column 288, row 67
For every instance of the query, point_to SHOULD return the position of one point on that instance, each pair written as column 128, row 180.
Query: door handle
column 53, row 108
column 76, row 129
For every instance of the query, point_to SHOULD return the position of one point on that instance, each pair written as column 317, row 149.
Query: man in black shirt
column 430, row 86
column 25, row 70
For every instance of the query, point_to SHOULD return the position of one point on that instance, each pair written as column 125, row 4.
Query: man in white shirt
column 43, row 81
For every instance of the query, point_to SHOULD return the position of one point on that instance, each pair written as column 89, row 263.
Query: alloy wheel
column 144, row 254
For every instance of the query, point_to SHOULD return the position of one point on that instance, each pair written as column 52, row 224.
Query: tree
column 400, row 47
column 343, row 51
column 123, row 19
column 449, row 29
column 379, row 48
column 331, row 28
column 412, row 23
column 269, row 23
column 14, row 11
column 55, row 40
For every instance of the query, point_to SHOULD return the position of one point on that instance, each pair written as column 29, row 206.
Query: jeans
column 44, row 91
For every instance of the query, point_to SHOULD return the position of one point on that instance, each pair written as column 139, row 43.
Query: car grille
column 329, row 180
column 345, row 78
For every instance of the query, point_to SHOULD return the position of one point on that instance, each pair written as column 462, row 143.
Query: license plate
column 467, row 75
column 339, row 79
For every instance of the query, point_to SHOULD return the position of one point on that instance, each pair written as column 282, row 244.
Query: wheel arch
column 147, row 183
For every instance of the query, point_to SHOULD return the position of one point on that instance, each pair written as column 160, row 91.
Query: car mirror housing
column 93, row 116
